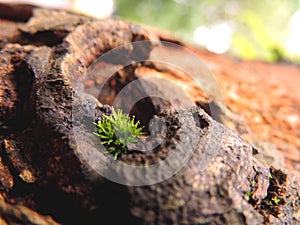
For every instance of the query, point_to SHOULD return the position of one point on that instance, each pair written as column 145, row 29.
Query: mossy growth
column 275, row 200
column 117, row 131
column 249, row 194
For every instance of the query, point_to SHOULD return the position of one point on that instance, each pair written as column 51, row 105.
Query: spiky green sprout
column 249, row 194
column 273, row 201
column 117, row 131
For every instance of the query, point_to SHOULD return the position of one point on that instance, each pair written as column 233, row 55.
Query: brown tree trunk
column 44, row 173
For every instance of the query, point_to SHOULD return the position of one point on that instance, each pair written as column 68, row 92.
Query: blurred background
column 250, row 29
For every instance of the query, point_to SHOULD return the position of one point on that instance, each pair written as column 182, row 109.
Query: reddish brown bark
column 42, row 168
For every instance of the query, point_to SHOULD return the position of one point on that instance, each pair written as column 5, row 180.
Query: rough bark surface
column 44, row 178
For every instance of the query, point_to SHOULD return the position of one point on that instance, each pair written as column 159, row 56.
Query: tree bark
column 45, row 176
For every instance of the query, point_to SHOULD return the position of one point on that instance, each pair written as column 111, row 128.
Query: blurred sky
column 251, row 29
column 97, row 8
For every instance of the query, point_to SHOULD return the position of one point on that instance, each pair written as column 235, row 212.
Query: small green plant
column 249, row 194
column 117, row 131
column 273, row 201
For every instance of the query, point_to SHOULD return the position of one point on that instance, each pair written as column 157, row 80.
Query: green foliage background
column 260, row 26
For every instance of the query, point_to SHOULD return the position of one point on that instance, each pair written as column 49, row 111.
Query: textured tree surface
column 45, row 180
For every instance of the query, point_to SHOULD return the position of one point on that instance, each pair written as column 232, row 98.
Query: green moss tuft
column 117, row 131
